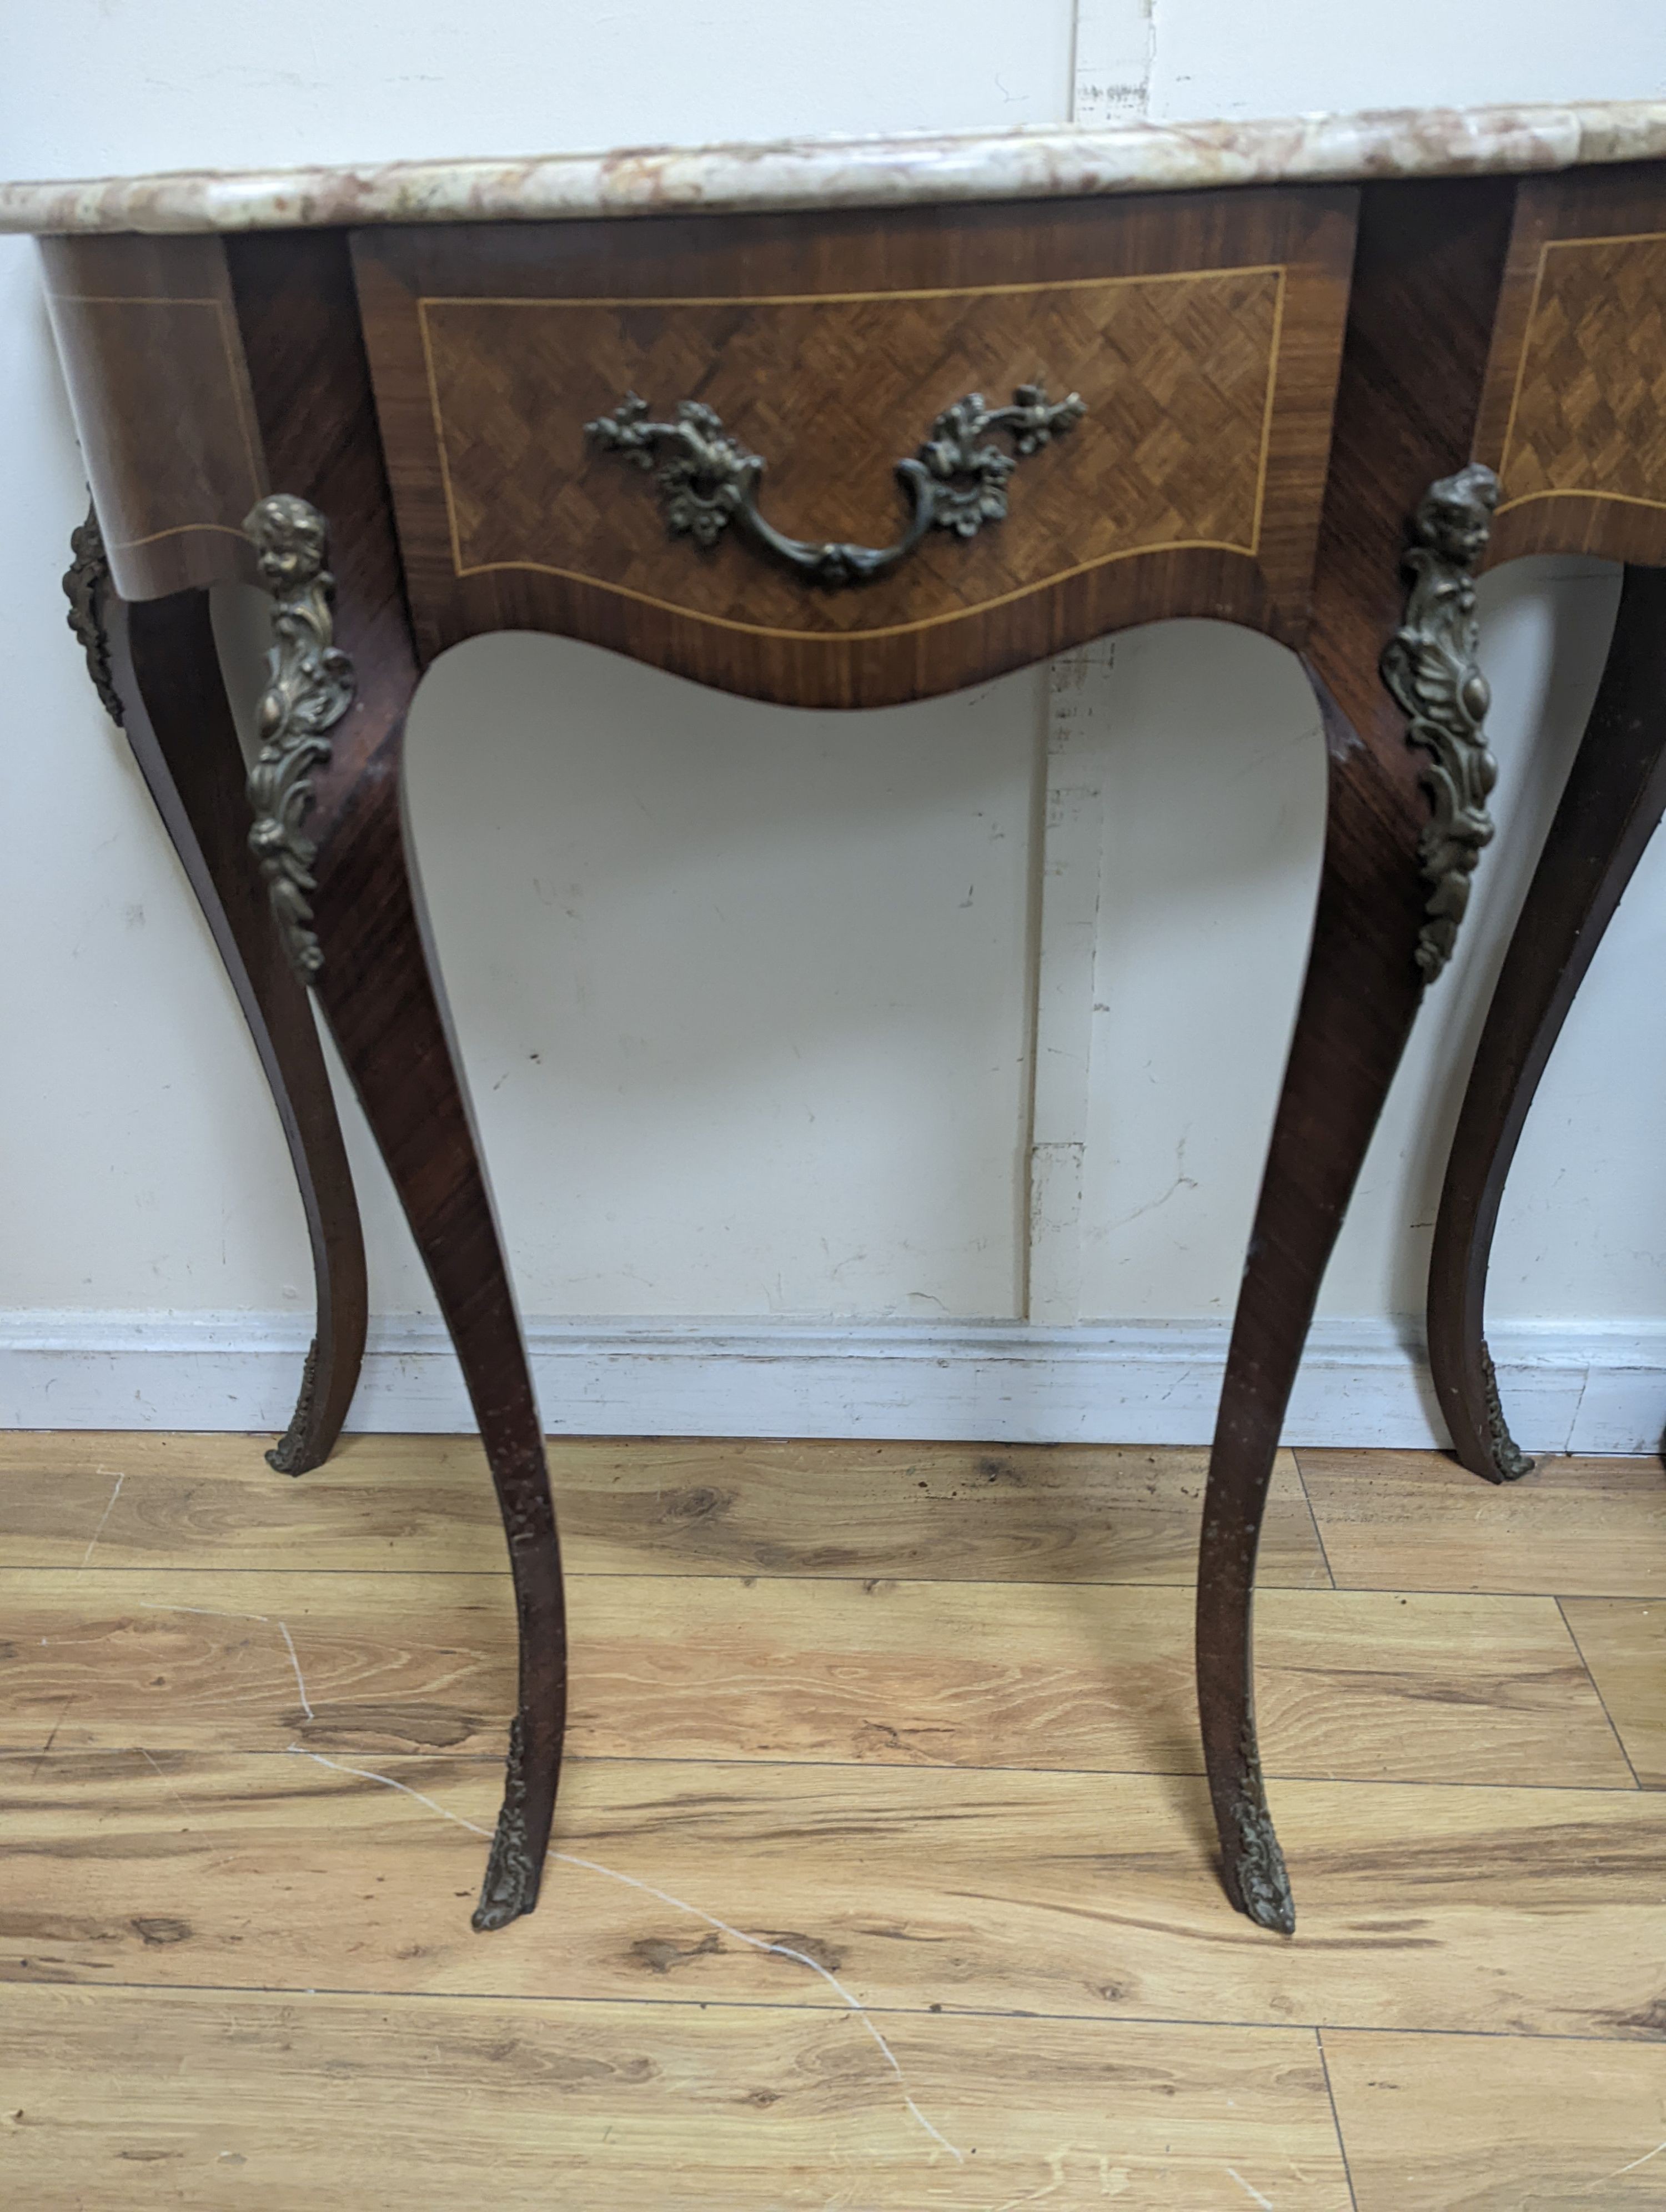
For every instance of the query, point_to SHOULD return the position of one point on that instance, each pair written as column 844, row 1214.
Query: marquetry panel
column 1590, row 393
column 1177, row 371
column 147, row 332
column 1204, row 339
column 1574, row 417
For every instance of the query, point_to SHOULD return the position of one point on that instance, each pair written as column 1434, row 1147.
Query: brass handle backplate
column 707, row 479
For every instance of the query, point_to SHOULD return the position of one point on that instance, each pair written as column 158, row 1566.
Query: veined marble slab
column 1028, row 164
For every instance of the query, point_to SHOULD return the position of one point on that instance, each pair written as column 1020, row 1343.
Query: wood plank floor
column 884, row 1874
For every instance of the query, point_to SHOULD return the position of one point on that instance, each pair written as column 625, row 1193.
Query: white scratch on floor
column 784, row 1951
column 365, row 1775
column 166, row 1783
column 214, row 1613
column 1635, row 2163
column 1061, row 2165
column 284, row 1627
column 678, row 1905
column 1266, row 2203
column 103, row 1517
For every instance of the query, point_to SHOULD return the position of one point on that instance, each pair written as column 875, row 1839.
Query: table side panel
column 148, row 336
column 1204, row 334
column 1574, row 415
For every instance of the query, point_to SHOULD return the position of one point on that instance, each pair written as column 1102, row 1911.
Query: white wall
column 747, row 995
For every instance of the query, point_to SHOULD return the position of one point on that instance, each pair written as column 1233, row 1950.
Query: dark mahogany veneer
column 1273, row 378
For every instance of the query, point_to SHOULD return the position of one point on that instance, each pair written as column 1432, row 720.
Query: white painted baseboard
column 1593, row 1387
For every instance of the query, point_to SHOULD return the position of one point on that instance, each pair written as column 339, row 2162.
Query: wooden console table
column 1307, row 376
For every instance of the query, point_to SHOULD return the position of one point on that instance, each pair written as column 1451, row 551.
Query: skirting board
column 1567, row 1386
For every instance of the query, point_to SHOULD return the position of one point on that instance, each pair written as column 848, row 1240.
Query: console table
column 840, row 425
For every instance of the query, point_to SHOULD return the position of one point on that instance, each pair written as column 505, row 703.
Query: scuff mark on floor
column 214, row 1613
column 388, row 1783
column 103, row 1517
column 678, row 1905
column 290, row 1645
column 1266, row 2203
column 1635, row 2163
column 1062, row 2164
column 782, row 1950
column 161, row 1776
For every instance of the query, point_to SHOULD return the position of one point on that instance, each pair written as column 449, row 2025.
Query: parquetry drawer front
column 1574, row 419
column 1202, row 337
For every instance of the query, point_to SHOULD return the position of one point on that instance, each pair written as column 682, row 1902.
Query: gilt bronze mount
column 309, row 687
column 1429, row 666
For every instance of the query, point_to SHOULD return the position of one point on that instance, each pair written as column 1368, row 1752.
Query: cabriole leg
column 331, row 838
column 1361, row 991
column 1616, row 794
column 155, row 668
column 1403, row 830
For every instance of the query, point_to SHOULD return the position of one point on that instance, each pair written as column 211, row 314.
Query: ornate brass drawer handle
column 707, row 479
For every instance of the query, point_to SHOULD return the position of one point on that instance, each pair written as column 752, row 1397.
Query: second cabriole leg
column 1396, row 874
column 1616, row 794
column 155, row 667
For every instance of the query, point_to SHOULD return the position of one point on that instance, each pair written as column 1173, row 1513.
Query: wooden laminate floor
column 884, row 1878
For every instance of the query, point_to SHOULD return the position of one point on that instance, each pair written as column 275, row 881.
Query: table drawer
column 1573, row 417
column 1203, row 334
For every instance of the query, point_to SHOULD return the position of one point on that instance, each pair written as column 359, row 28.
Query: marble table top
column 1049, row 163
